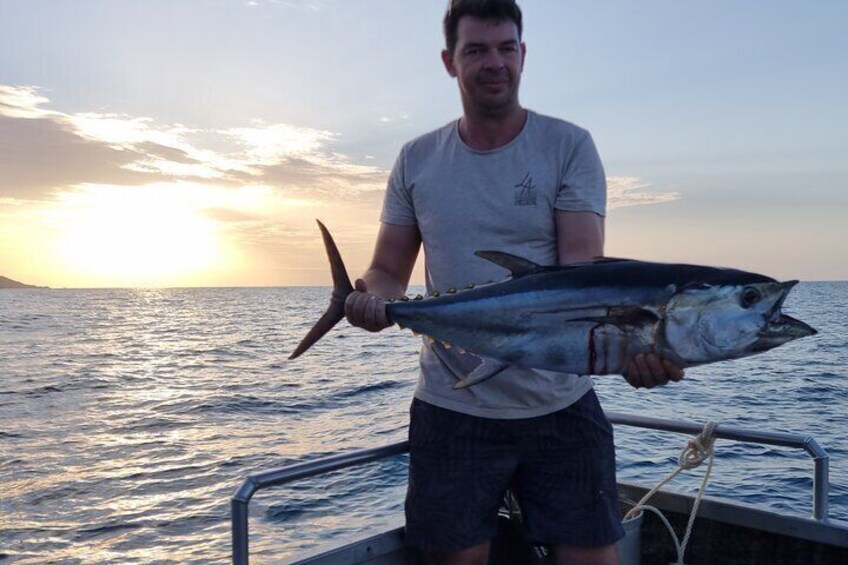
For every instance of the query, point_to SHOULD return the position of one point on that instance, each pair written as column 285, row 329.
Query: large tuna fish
column 590, row 318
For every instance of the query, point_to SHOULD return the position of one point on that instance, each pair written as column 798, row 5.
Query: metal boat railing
column 254, row 483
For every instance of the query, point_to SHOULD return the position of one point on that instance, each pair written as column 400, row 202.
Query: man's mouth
column 499, row 83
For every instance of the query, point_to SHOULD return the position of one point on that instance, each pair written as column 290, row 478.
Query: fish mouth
column 779, row 327
column 784, row 289
column 787, row 327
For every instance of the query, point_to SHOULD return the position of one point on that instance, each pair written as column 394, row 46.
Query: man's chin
column 487, row 99
column 498, row 105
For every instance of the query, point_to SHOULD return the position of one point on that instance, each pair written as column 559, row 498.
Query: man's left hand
column 648, row 371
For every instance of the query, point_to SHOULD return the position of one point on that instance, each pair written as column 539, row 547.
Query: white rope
column 697, row 450
column 668, row 527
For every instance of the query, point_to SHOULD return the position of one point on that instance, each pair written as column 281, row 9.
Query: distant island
column 9, row 283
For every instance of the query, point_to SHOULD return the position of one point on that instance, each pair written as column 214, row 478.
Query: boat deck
column 725, row 533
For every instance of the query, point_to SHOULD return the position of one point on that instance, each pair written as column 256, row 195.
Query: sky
column 194, row 142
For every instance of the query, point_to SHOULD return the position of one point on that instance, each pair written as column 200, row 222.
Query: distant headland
column 9, row 283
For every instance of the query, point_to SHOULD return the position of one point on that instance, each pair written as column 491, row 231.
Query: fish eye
column 750, row 296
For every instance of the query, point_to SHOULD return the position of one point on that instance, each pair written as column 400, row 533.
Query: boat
column 726, row 531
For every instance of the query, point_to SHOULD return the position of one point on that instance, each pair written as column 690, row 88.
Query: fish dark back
column 626, row 272
column 620, row 273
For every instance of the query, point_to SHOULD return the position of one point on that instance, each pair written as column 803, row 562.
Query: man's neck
column 485, row 133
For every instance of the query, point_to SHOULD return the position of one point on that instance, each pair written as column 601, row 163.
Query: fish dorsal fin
column 518, row 266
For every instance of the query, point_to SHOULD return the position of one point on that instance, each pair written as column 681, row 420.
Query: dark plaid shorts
column 561, row 466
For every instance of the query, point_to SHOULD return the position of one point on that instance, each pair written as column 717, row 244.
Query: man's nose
column 494, row 59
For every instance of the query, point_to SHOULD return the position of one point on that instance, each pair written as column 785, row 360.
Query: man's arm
column 388, row 276
column 580, row 237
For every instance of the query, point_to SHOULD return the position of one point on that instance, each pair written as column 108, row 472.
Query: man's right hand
column 649, row 371
column 365, row 310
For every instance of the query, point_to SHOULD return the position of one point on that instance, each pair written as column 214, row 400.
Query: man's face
column 487, row 64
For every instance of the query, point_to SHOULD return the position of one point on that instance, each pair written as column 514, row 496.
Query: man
column 508, row 179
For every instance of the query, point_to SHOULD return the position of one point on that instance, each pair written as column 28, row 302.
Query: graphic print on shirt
column 525, row 191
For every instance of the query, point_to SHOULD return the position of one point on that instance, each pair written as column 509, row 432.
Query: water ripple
column 128, row 418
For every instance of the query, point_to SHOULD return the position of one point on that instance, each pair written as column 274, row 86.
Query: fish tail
column 341, row 289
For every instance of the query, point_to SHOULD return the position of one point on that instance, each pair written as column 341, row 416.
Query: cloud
column 41, row 155
column 299, row 5
column 22, row 102
column 631, row 191
column 43, row 151
column 267, row 144
column 397, row 117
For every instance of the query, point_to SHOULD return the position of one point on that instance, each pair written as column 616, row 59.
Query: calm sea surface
column 129, row 417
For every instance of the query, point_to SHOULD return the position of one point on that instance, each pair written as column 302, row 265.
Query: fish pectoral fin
column 572, row 314
column 483, row 372
column 622, row 316
column 694, row 285
column 516, row 265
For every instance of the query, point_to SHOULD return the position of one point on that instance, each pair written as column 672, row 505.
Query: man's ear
column 523, row 54
column 447, row 60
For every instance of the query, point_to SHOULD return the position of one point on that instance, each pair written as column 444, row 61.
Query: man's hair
column 498, row 10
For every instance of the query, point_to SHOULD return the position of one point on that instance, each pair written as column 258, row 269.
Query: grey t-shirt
column 464, row 200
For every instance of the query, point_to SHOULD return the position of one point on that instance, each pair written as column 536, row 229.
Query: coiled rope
column 697, row 450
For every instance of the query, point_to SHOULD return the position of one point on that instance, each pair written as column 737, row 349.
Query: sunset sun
column 136, row 236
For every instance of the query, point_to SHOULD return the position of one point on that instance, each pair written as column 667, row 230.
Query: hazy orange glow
column 135, row 237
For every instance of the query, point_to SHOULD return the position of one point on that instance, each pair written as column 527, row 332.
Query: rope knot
column 699, row 448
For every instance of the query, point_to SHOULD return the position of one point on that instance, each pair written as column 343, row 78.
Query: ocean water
column 129, row 417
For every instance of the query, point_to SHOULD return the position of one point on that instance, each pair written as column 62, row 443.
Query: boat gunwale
column 276, row 477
